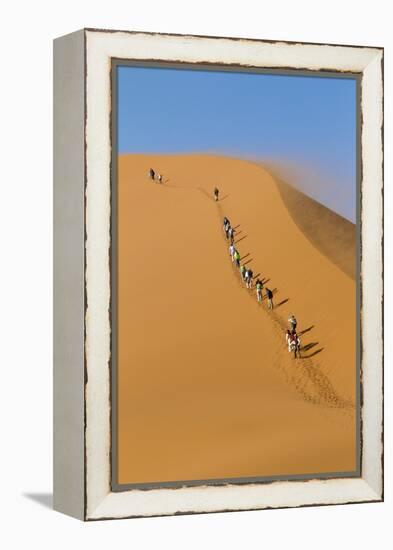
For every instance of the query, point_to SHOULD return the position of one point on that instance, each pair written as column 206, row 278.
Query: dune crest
column 207, row 389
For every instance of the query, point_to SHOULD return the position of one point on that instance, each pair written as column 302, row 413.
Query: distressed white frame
column 101, row 46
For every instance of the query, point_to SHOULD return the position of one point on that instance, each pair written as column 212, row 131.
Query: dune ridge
column 205, row 381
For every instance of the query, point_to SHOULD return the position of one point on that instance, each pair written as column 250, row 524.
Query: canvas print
column 235, row 279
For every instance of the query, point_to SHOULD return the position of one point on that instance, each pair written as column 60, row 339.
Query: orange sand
column 206, row 387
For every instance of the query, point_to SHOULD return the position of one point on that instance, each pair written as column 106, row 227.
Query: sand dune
column 329, row 232
column 207, row 389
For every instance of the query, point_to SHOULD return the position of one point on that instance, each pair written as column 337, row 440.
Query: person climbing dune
column 269, row 296
column 259, row 287
column 293, row 342
column 250, row 275
column 226, row 224
column 243, row 272
column 246, row 276
column 236, row 256
column 292, row 321
column 232, row 252
column 216, row 193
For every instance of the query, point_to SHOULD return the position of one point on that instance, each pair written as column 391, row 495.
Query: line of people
column 246, row 273
column 247, row 276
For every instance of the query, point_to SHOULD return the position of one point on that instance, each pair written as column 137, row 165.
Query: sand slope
column 330, row 233
column 206, row 386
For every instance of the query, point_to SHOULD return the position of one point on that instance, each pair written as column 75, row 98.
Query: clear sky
column 305, row 124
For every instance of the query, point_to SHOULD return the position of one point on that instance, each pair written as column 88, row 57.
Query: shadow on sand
column 312, row 354
column 323, row 228
column 307, row 347
column 245, row 256
column 238, row 240
column 306, row 330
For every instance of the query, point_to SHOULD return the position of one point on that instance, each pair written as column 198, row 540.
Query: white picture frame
column 82, row 241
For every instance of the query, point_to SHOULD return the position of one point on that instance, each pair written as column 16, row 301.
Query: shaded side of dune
column 330, row 233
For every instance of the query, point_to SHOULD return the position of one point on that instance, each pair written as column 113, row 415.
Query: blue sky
column 306, row 125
